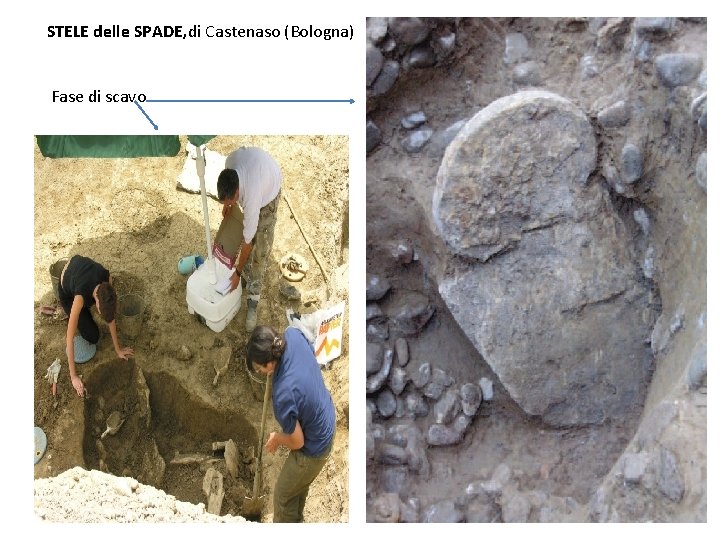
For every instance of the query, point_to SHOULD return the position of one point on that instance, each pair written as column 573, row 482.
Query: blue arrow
column 249, row 101
column 146, row 116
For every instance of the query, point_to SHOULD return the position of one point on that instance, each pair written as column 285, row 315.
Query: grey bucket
column 56, row 269
column 131, row 308
column 257, row 383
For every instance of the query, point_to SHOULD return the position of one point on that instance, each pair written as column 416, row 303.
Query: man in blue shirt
column 304, row 409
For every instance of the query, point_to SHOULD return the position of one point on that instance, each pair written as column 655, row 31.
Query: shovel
column 113, row 422
column 253, row 507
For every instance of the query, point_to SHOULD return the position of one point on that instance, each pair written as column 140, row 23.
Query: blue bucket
column 84, row 350
column 187, row 265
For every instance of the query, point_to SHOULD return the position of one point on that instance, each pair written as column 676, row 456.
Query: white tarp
column 189, row 180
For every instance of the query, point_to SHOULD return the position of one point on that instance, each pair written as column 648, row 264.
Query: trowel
column 113, row 422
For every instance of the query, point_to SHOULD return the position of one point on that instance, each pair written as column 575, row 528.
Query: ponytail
column 264, row 346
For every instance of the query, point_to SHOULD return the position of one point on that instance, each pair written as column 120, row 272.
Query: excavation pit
column 166, row 437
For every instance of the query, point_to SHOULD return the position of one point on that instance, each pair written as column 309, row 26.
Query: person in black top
column 83, row 284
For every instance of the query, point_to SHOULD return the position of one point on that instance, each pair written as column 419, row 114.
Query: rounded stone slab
column 517, row 165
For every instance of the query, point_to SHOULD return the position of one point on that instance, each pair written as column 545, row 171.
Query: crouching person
column 84, row 284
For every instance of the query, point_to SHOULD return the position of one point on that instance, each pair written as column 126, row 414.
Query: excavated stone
column 373, row 358
column 377, row 332
column 408, row 31
column 386, row 403
column 447, row 407
column 678, row 69
column 444, row 45
column 375, row 287
column 443, row 512
column 384, row 508
column 400, row 410
column 417, row 455
column 486, row 386
column 376, row 29
column 415, row 141
column 413, row 120
column 390, row 454
column 616, row 115
column 369, row 438
column 386, row 78
column 398, row 380
column 440, row 140
column 394, row 479
column 373, row 63
column 402, row 351
column 654, row 27
column 374, row 382
column 612, row 34
column 670, row 480
column 440, row 376
column 373, row 311
column 416, row 405
column 442, row 435
column 632, row 163
column 421, row 56
column 373, row 136
column 447, row 435
column 554, row 269
column 470, row 398
column 634, row 466
column 433, row 390
column 410, row 313
column 397, row 435
column 517, row 165
column 422, row 376
column 403, row 253
column 213, row 489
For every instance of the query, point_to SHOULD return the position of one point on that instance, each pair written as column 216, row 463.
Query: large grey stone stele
column 541, row 278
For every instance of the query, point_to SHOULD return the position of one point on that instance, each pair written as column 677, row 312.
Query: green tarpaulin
column 114, row 146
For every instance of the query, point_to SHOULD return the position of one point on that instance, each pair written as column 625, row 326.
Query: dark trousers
column 293, row 485
column 86, row 324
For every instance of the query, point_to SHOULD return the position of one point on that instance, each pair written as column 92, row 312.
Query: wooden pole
column 307, row 241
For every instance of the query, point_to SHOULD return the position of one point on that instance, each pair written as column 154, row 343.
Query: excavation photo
column 536, row 316
column 160, row 418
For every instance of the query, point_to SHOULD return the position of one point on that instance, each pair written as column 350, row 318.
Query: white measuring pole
column 200, row 166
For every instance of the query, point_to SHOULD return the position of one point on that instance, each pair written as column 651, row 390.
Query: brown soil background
column 128, row 215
